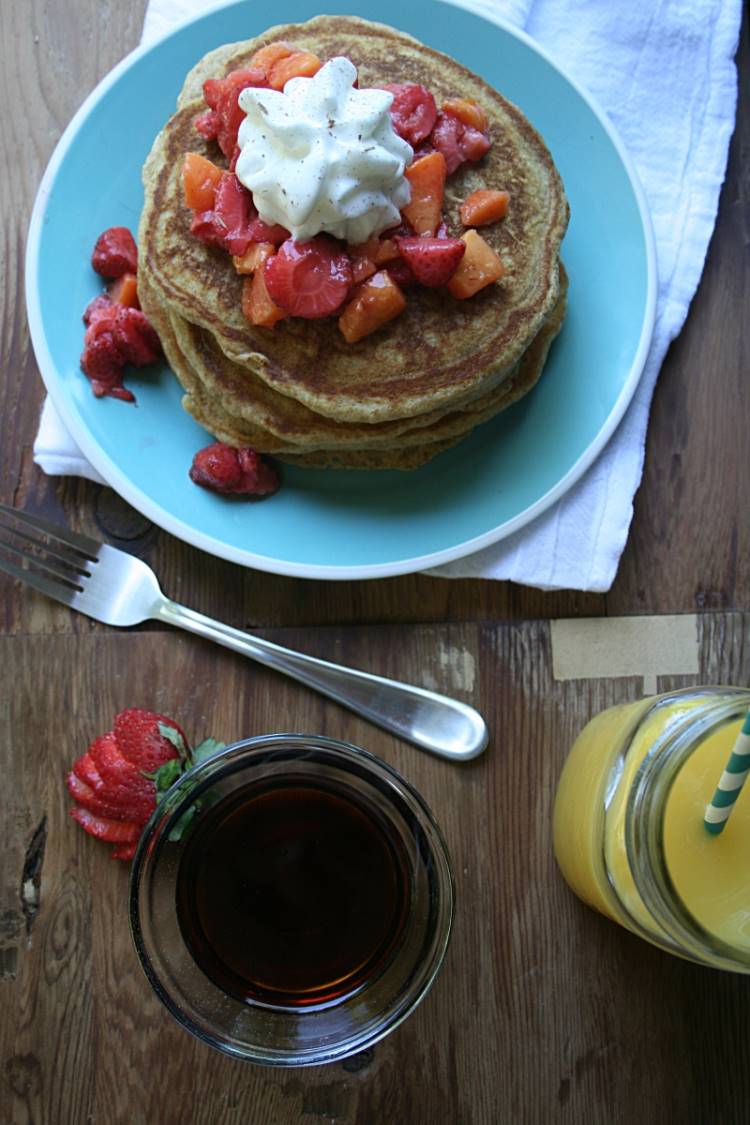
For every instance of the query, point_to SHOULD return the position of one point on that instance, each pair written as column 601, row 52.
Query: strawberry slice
column 263, row 232
column 413, row 112
column 225, row 116
column 123, row 782
column 457, row 141
column 140, row 740
column 309, row 279
column 233, row 210
column 432, row 260
column 95, row 798
column 85, row 769
column 224, row 469
column 112, row 831
column 115, row 253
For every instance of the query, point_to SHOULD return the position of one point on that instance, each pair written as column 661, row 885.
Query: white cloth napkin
column 664, row 72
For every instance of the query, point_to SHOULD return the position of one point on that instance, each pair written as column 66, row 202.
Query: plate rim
column 154, row 511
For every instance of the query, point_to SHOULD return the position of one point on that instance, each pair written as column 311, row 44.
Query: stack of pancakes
column 424, row 380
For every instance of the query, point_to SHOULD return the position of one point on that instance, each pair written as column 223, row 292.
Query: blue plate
column 326, row 523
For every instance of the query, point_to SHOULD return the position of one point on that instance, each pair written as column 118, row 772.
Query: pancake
column 347, row 446
column 440, row 353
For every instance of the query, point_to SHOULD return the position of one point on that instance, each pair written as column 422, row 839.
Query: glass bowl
column 179, row 888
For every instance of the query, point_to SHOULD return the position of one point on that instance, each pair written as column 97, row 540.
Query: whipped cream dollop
column 323, row 156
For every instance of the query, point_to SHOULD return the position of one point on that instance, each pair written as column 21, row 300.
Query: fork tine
column 56, row 590
column 57, row 568
column 74, row 563
column 89, row 548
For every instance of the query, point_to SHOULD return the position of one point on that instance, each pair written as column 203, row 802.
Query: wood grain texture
column 544, row 1011
column 688, row 545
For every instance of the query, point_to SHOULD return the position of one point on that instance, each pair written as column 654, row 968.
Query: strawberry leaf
column 206, row 749
column 176, row 739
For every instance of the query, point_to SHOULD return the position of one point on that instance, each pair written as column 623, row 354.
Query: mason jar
column 628, row 824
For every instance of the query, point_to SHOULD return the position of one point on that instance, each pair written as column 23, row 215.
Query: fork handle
column 431, row 721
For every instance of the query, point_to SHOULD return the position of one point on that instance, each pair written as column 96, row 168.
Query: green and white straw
column 731, row 782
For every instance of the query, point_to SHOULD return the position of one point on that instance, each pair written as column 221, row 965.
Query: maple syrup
column 292, row 892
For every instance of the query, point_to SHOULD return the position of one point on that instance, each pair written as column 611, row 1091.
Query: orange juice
column 628, row 824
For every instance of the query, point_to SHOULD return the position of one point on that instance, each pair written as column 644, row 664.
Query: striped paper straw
column 731, row 782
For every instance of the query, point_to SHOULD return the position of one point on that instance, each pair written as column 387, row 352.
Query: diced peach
column 254, row 257
column 257, row 305
column 386, row 251
column 483, row 207
column 375, row 302
column 480, row 266
column 467, row 111
column 426, row 177
column 200, row 178
column 124, row 291
column 302, row 64
column 265, row 58
column 362, row 268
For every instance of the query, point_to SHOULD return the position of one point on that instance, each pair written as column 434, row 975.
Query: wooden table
column 544, row 1011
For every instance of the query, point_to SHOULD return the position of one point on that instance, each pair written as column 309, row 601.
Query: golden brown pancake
column 440, row 354
column 376, row 447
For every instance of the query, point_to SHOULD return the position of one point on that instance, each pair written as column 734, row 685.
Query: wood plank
column 544, row 1011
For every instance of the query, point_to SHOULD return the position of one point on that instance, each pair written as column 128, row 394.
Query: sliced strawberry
column 124, row 784
column 259, row 477
column 217, row 467
column 413, row 112
column 221, row 95
column 140, row 740
column 203, row 226
column 309, row 279
column 103, row 358
column 97, row 802
column 96, row 307
column 115, row 253
column 233, row 210
column 432, row 260
column 263, row 232
column 402, row 273
column 208, row 124
column 85, row 769
column 138, row 341
column 457, row 141
column 224, row 469
column 112, row 831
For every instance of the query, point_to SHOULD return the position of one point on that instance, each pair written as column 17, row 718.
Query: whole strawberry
column 117, row 783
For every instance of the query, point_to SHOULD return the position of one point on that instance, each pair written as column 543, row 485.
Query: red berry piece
column 95, row 308
column 258, row 477
column 140, row 740
column 221, row 95
column 112, row 831
column 413, row 112
column 309, row 279
column 401, row 272
column 123, row 782
column 138, row 341
column 229, row 471
column 115, row 253
column 233, row 210
column 457, row 141
column 217, row 467
column 262, row 232
column 208, row 124
column 432, row 260
column 103, row 358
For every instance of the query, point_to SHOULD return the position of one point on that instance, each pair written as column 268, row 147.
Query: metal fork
column 119, row 589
